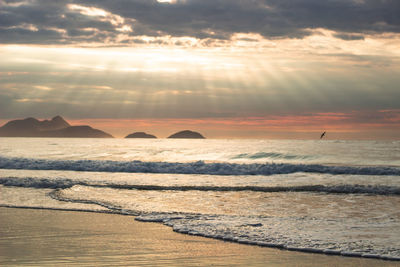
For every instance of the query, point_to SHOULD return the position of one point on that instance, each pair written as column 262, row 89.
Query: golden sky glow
column 99, row 64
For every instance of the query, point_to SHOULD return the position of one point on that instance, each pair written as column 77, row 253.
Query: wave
column 61, row 209
column 245, row 230
column 333, row 189
column 272, row 155
column 179, row 223
column 198, row 167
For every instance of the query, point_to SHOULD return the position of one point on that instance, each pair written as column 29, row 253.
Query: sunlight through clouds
column 117, row 21
column 198, row 60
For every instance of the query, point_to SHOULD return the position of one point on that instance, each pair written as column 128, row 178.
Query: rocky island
column 140, row 135
column 56, row 127
column 187, row 134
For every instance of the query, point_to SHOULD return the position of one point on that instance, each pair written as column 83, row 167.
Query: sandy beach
column 35, row 237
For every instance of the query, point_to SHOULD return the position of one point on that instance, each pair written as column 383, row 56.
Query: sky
column 225, row 68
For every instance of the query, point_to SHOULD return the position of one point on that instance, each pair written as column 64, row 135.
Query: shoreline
column 35, row 236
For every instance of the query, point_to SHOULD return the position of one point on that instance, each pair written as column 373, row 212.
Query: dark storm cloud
column 23, row 36
column 349, row 37
column 215, row 19
column 50, row 22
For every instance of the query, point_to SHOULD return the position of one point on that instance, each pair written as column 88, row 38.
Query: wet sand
column 35, row 237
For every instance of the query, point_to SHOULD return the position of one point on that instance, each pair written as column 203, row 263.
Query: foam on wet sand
column 38, row 237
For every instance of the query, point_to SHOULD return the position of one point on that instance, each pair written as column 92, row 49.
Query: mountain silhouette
column 187, row 134
column 56, row 127
column 140, row 135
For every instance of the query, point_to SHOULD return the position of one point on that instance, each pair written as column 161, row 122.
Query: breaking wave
column 334, row 189
column 251, row 232
column 271, row 155
column 198, row 167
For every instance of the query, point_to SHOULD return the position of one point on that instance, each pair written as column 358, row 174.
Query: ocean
column 320, row 196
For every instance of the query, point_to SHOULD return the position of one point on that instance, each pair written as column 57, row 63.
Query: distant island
column 187, row 134
column 140, row 135
column 56, row 127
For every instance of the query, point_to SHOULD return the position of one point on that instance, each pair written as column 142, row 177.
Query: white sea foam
column 316, row 223
column 326, row 152
column 67, row 183
column 319, row 228
column 17, row 197
column 336, row 197
column 198, row 167
column 298, row 234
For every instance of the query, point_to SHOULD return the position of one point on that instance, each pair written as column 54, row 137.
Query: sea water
column 323, row 196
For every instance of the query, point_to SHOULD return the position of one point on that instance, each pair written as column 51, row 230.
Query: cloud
column 349, row 37
column 122, row 21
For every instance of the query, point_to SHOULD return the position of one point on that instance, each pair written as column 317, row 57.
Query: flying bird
column 322, row 135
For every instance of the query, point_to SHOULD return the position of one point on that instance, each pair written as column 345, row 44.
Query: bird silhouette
column 322, row 135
